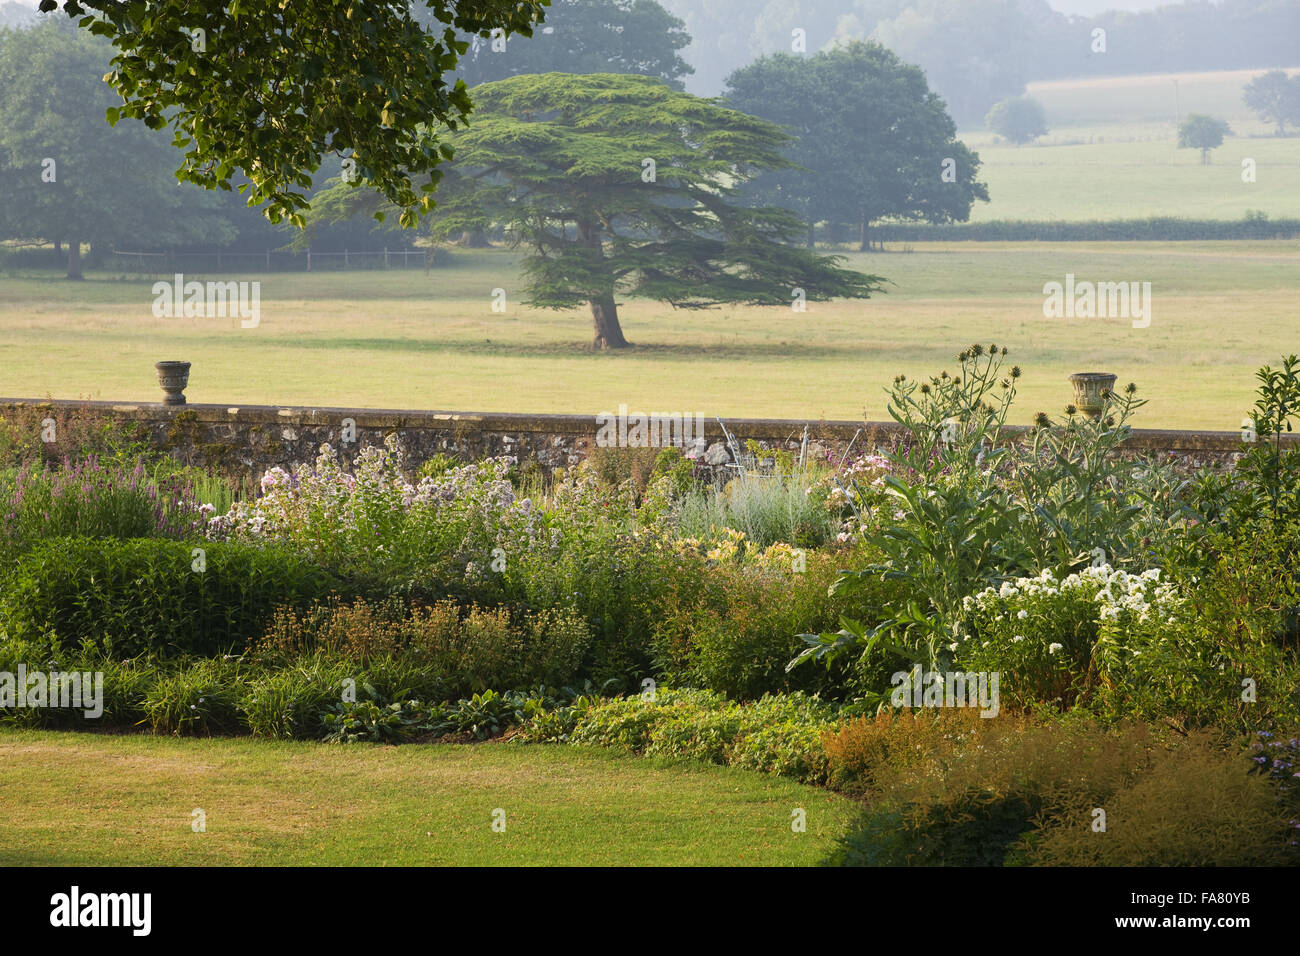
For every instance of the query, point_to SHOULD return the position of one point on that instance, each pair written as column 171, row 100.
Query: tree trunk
column 609, row 334
column 863, row 243
column 604, row 311
column 1205, row 157
column 74, row 257
column 473, row 239
column 812, row 233
column 58, row 247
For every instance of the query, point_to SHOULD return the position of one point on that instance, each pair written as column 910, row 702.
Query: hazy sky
column 1089, row 7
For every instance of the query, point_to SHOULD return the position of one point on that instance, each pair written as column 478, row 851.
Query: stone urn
column 173, row 377
column 1091, row 390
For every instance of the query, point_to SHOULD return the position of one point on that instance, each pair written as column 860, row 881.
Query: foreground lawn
column 91, row 799
column 403, row 339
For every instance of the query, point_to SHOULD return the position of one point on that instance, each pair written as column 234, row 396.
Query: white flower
column 1053, row 648
column 1021, row 615
column 1017, row 639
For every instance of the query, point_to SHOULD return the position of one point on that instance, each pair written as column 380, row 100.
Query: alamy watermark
column 75, row 908
column 208, row 300
column 1099, row 300
column 655, row 430
column 918, row 688
column 68, row 689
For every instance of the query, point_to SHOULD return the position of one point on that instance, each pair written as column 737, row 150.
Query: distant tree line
column 976, row 53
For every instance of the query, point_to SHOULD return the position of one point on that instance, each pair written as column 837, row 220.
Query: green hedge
column 1152, row 229
column 145, row 595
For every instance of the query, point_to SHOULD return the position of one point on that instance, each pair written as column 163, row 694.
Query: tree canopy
column 1020, row 120
column 871, row 141
column 75, row 178
column 1202, row 132
column 269, row 87
column 620, row 185
column 1275, row 97
column 587, row 36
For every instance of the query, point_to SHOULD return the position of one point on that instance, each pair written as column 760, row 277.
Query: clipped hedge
column 149, row 595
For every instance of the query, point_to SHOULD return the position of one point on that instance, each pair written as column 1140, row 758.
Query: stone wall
column 252, row 438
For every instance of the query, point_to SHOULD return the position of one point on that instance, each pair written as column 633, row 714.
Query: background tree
column 76, row 179
column 271, row 86
column 580, row 36
column 975, row 52
column 1275, row 98
column 620, row 185
column 1019, row 120
column 587, row 36
column 971, row 50
column 1202, row 132
column 870, row 139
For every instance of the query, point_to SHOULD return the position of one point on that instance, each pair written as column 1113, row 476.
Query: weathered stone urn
column 1090, row 391
column 173, row 377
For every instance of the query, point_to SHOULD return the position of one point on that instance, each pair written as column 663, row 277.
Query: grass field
column 1150, row 100
column 100, row 800
column 1111, row 153
column 1132, row 180
column 402, row 339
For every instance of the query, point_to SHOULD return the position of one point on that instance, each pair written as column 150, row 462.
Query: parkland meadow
column 411, row 339
column 1111, row 152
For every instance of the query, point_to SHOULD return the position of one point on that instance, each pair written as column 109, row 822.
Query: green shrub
column 199, row 697
column 485, row 715
column 1231, row 657
column 400, row 678
column 767, row 508
column 782, row 734
column 1048, row 637
column 133, row 597
column 616, row 466
column 706, row 732
column 125, row 683
column 126, row 688
column 556, row 642
column 866, row 754
column 592, row 558
column 1192, row 806
column 290, row 701
column 78, row 433
column 373, row 720
column 437, row 465
column 470, row 650
column 779, row 734
column 1013, row 795
column 88, row 500
column 624, row 723
column 733, row 628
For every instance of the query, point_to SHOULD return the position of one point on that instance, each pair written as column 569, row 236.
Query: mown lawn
column 404, row 339
column 99, row 799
